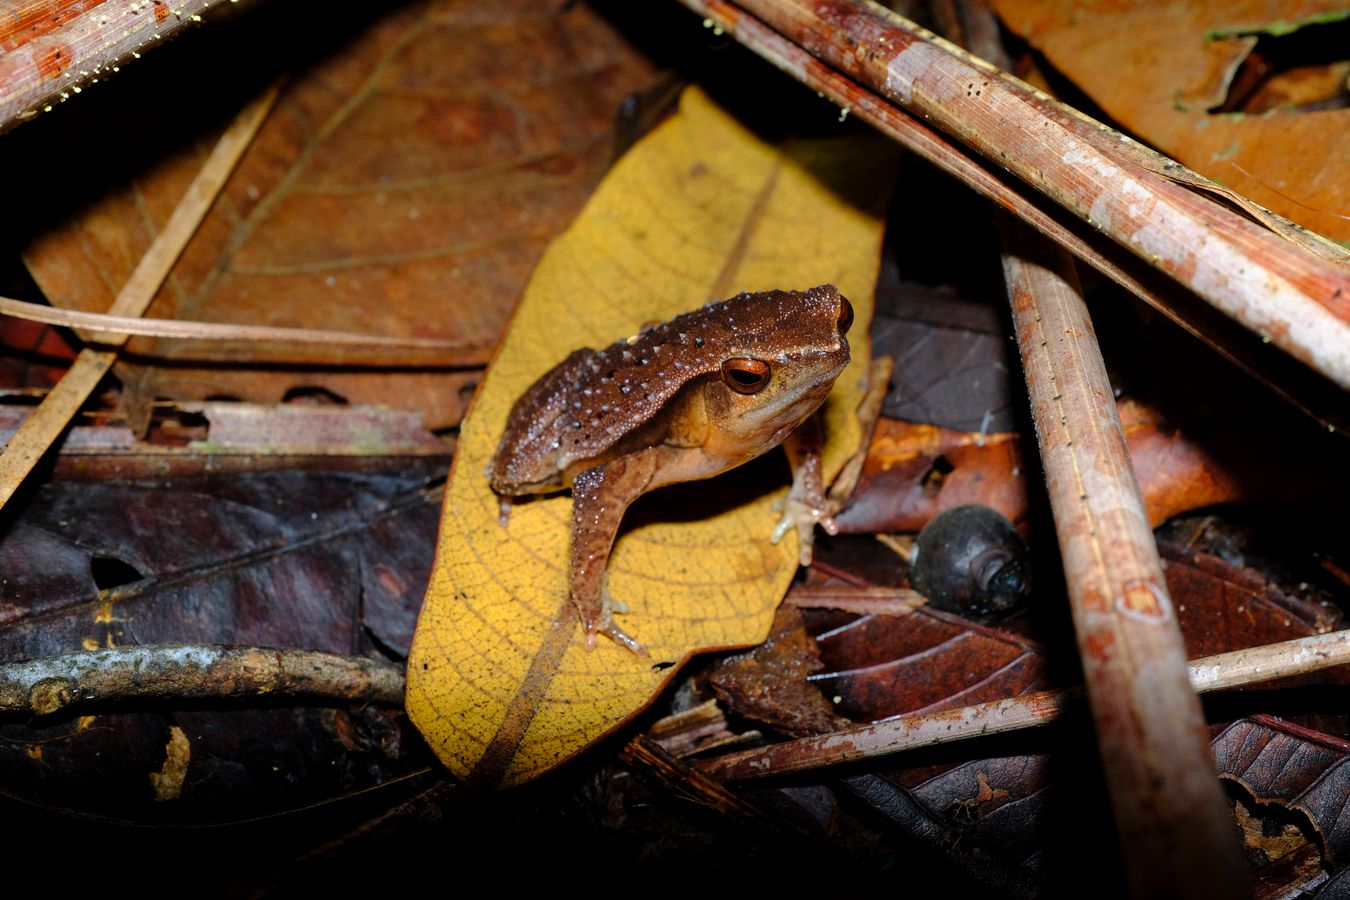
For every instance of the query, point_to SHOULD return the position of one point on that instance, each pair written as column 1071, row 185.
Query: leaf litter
column 967, row 804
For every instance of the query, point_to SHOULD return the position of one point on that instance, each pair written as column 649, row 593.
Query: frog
column 680, row 401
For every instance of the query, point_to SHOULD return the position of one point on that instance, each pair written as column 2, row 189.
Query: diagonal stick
column 36, row 436
column 907, row 732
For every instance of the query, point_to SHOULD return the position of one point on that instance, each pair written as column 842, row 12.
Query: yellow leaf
column 499, row 681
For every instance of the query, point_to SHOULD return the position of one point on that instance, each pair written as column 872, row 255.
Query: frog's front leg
column 600, row 496
column 806, row 505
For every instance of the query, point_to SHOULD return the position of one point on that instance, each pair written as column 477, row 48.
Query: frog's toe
column 624, row 639
column 604, row 624
column 804, row 517
column 609, row 629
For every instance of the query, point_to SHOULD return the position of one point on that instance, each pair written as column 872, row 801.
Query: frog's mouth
column 790, row 407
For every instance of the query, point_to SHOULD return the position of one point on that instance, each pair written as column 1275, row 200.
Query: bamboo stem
column 1296, row 299
column 54, row 52
column 1176, row 832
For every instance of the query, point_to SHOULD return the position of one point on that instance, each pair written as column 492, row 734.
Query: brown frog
column 688, row 399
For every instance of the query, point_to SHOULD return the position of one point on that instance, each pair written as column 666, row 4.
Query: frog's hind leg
column 600, row 496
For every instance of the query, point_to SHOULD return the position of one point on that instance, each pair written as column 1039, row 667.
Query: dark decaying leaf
column 954, row 365
column 879, row 666
column 334, row 562
column 772, row 682
column 1005, row 811
column 1279, row 762
column 1230, row 606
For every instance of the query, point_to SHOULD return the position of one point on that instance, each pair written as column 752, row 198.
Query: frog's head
column 783, row 354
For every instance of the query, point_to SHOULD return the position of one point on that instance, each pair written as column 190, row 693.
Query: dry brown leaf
column 499, row 680
column 405, row 186
column 1158, row 69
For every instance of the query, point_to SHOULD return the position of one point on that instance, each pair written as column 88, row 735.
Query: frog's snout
column 845, row 315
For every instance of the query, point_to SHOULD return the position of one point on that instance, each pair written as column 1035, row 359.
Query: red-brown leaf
column 405, row 185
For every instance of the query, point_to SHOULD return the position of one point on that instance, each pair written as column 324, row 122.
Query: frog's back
column 526, row 458
column 594, row 400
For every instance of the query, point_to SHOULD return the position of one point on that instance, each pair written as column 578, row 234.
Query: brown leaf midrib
column 525, row 703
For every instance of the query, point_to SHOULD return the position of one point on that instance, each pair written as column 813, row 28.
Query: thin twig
column 1212, row 673
column 345, row 348
column 647, row 756
column 42, row 430
column 192, row 672
column 1237, row 668
column 865, row 601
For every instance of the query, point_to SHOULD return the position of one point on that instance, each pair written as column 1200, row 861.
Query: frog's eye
column 845, row 315
column 745, row 375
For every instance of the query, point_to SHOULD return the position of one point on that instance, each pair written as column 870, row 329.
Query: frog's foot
column 804, row 516
column 616, row 634
column 623, row 639
column 604, row 624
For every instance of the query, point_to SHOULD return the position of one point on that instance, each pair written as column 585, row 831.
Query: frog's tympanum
column 689, row 399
